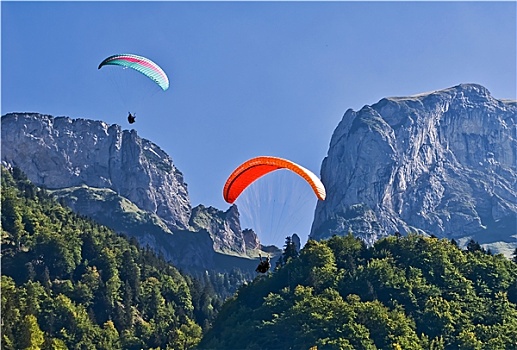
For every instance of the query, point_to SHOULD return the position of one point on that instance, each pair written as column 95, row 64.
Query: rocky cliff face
column 121, row 180
column 63, row 152
column 441, row 162
column 224, row 228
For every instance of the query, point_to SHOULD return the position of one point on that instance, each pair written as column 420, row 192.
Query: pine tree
column 289, row 252
column 474, row 246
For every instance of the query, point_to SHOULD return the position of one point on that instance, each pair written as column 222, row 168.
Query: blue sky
column 248, row 78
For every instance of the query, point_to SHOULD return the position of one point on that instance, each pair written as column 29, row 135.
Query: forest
column 69, row 283
column 411, row 292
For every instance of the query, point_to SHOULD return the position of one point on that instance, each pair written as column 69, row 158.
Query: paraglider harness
column 264, row 265
column 131, row 118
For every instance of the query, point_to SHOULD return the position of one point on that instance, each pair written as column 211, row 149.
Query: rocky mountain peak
column 442, row 162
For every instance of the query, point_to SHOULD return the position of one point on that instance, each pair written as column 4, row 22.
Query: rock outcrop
column 443, row 163
column 224, row 229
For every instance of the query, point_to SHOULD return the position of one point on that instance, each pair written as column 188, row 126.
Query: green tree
column 11, row 215
column 289, row 252
column 30, row 336
column 316, row 266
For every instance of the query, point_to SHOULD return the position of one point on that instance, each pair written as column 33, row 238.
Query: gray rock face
column 251, row 240
column 224, row 229
column 442, row 162
column 62, row 152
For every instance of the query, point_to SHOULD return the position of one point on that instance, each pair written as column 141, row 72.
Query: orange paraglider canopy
column 252, row 169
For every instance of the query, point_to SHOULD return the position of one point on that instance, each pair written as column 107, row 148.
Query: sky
column 247, row 78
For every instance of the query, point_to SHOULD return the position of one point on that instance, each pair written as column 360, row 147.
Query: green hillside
column 112, row 210
column 405, row 293
column 68, row 282
column 197, row 256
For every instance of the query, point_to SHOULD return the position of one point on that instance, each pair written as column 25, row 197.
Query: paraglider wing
column 251, row 170
column 140, row 64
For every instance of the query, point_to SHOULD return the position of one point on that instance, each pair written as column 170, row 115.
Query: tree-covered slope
column 68, row 282
column 410, row 292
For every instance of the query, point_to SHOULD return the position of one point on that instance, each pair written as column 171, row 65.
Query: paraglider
column 264, row 265
column 253, row 169
column 139, row 64
column 270, row 206
column 131, row 118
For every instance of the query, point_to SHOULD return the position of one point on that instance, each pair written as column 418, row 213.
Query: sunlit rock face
column 443, row 163
column 60, row 152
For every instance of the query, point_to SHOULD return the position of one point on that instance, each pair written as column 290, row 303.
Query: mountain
column 63, row 152
column 442, row 163
column 127, row 183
